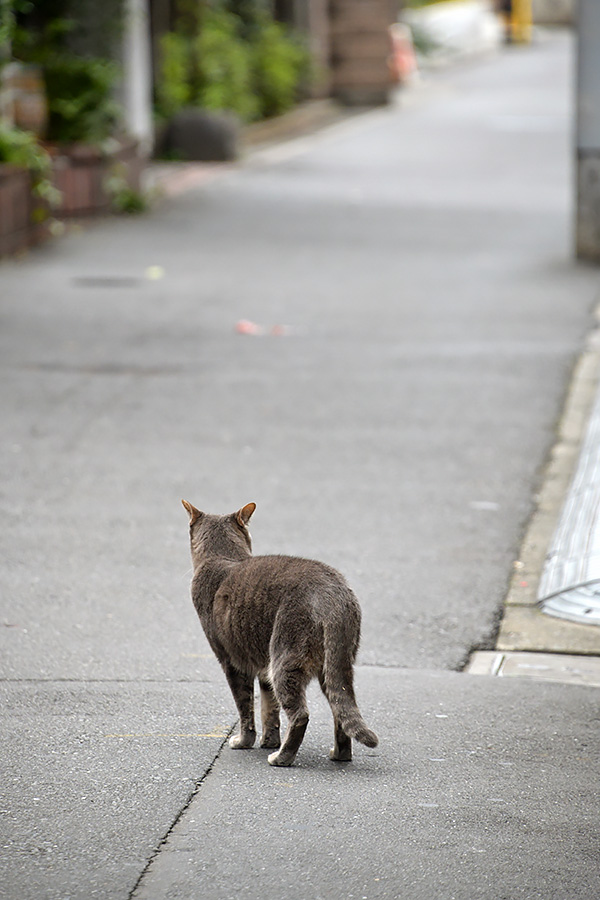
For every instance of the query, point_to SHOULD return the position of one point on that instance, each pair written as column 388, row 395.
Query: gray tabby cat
column 284, row 620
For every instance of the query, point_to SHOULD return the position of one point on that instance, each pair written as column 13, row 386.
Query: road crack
column 192, row 796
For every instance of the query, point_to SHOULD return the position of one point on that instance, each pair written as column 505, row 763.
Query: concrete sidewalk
column 397, row 427
column 480, row 789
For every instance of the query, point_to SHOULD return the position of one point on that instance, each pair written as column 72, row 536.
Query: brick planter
column 18, row 231
column 82, row 174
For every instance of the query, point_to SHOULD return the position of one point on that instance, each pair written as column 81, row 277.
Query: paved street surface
column 419, row 258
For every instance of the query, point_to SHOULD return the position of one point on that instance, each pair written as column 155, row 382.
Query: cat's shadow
column 315, row 760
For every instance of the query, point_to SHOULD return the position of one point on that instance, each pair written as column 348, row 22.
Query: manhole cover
column 106, row 281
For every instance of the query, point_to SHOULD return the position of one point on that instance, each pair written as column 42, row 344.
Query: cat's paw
column 276, row 759
column 270, row 740
column 340, row 755
column 242, row 741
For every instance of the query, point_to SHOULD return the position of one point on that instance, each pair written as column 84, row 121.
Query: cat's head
column 224, row 537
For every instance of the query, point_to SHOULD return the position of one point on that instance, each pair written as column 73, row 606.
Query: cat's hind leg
column 342, row 746
column 342, row 743
column 269, row 713
column 242, row 688
column 290, row 689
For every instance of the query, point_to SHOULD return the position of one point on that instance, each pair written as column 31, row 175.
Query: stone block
column 361, row 47
column 368, row 72
column 375, row 45
column 197, row 134
column 349, row 16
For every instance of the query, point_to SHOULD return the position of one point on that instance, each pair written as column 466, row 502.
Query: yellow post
column 520, row 21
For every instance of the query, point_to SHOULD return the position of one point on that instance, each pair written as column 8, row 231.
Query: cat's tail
column 338, row 687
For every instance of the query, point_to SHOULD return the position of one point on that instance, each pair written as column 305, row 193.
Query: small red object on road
column 245, row 326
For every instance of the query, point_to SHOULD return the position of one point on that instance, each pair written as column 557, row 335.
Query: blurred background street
column 369, row 330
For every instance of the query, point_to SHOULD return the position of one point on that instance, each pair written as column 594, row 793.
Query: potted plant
column 94, row 163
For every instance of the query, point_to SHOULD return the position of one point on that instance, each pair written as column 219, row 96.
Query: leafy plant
column 225, row 64
column 280, row 63
column 80, row 27
column 251, row 66
column 124, row 199
column 80, row 103
column 71, row 41
column 20, row 148
column 211, row 69
column 8, row 23
column 174, row 89
column 129, row 201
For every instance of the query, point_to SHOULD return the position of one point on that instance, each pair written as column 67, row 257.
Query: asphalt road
column 420, row 259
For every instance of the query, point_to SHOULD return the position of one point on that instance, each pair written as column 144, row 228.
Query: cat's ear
column 192, row 512
column 243, row 515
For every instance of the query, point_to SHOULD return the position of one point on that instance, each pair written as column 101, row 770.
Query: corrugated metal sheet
column 570, row 583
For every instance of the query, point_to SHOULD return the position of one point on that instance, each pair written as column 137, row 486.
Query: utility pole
column 137, row 73
column 588, row 131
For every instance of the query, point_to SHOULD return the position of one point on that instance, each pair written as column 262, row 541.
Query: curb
column 525, row 631
column 538, row 667
column 524, row 626
column 162, row 178
column 306, row 118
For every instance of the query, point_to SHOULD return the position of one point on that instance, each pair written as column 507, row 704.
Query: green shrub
column 227, row 65
column 211, row 69
column 80, row 103
column 20, row 148
column 9, row 10
column 85, row 28
column 71, row 40
column 123, row 198
column 280, row 63
column 174, row 90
